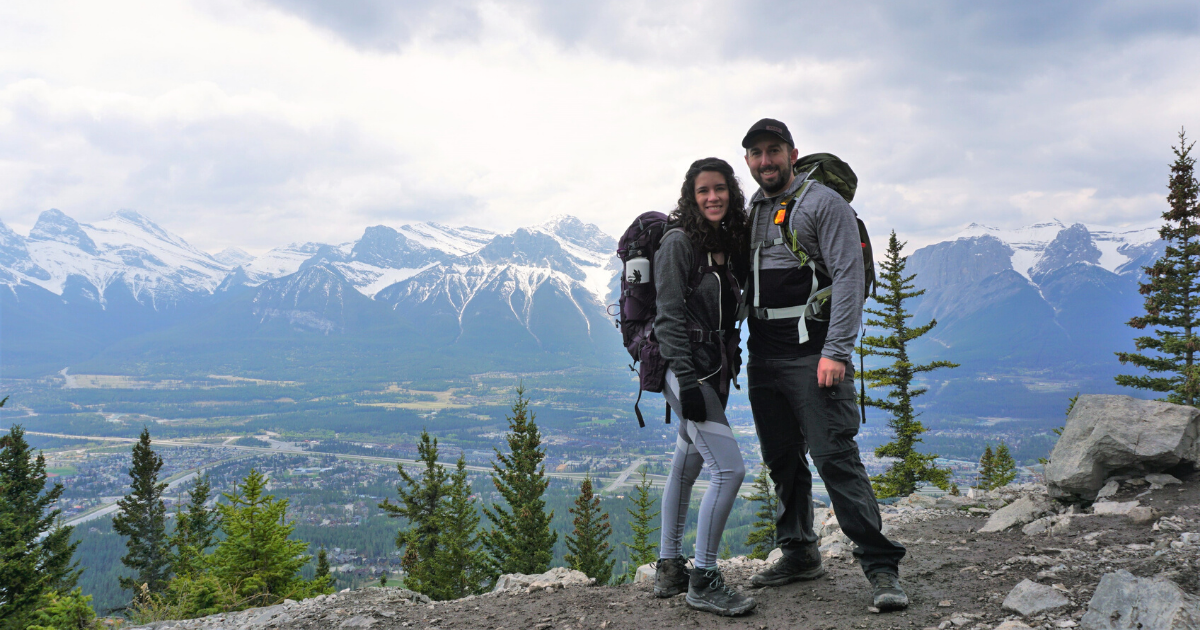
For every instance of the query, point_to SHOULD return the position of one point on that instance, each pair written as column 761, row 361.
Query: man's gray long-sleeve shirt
column 826, row 228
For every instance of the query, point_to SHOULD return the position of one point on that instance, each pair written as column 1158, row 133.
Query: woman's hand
column 694, row 408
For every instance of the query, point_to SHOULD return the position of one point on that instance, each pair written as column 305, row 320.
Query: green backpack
column 831, row 171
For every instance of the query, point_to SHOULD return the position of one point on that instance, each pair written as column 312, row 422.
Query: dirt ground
column 951, row 572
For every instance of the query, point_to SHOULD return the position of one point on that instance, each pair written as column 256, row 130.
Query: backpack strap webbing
column 812, row 307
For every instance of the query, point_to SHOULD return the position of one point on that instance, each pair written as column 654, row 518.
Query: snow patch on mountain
column 1029, row 242
column 279, row 262
column 455, row 241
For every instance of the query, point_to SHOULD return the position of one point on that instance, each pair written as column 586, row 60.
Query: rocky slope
column 1041, row 571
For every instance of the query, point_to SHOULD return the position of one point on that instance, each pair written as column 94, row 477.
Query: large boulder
column 1123, row 601
column 1106, row 435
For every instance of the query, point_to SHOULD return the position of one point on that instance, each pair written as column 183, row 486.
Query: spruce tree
column 195, row 530
column 1172, row 294
column 1004, row 469
column 459, row 559
column 422, row 505
column 762, row 533
column 142, row 521
column 911, row 467
column 256, row 556
column 987, row 469
column 322, row 564
column 587, row 546
column 642, row 550
column 35, row 556
column 520, row 540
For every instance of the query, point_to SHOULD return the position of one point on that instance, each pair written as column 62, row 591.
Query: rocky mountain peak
column 54, row 225
column 1071, row 245
column 233, row 257
column 383, row 246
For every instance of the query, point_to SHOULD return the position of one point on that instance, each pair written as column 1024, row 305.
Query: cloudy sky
column 259, row 122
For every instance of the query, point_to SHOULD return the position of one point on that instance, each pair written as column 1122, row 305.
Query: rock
column 918, row 501
column 644, row 573
column 775, row 555
column 558, row 577
column 1109, row 489
column 1030, row 598
column 1123, row 601
column 1018, row 512
column 1114, row 507
column 1143, row 514
column 1108, row 434
column 1049, row 525
column 1012, row 624
column 1162, row 479
column 357, row 621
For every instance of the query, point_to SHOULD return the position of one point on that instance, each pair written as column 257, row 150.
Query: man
column 800, row 372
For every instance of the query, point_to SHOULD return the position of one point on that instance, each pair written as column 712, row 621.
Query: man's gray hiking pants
column 699, row 444
column 793, row 415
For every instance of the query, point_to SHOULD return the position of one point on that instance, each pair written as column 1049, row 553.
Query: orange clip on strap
column 780, row 215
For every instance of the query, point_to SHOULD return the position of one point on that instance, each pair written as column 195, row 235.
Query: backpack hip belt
column 812, row 308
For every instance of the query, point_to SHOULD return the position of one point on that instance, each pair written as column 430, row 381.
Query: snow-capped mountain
column 1043, row 295
column 543, row 287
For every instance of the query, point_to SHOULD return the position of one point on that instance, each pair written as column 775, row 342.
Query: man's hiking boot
column 670, row 577
column 888, row 594
column 787, row 569
column 709, row 592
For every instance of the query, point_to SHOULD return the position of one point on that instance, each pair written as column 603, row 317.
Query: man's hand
column 830, row 372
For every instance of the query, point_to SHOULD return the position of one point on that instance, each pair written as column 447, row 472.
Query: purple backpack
column 638, row 302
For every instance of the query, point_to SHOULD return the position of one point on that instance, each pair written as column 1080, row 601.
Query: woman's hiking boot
column 888, row 594
column 788, row 569
column 709, row 592
column 670, row 577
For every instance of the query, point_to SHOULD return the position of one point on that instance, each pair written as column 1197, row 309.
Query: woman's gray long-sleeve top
column 676, row 309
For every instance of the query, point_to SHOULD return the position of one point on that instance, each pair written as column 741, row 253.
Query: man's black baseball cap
column 768, row 126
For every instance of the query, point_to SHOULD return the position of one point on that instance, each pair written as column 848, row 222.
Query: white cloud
column 256, row 124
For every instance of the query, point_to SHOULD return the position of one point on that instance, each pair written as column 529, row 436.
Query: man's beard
column 780, row 183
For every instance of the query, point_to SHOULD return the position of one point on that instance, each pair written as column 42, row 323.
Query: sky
column 256, row 123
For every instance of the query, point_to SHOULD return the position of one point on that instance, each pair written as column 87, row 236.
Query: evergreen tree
column 142, row 521
column 195, row 530
column 996, row 469
column 587, row 546
column 422, row 505
column 987, row 469
column 1003, row 466
column 762, row 534
column 1172, row 294
column 322, row 564
column 912, row 467
column 642, row 550
column 35, row 560
column 458, row 557
column 520, row 540
column 256, row 557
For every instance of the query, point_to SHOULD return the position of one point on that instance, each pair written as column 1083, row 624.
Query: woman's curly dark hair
column 731, row 236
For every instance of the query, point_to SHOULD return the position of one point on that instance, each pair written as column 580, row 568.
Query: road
column 625, row 474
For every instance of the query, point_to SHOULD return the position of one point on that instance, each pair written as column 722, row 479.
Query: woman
column 698, row 298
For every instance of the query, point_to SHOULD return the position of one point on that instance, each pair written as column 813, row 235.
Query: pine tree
column 35, row 556
column 421, row 504
column 762, row 534
column 587, row 546
column 142, row 521
column 256, row 556
column 642, row 550
column 520, row 540
column 1172, row 294
column 459, row 558
column 987, row 469
column 902, row 477
column 322, row 564
column 1003, row 466
column 195, row 530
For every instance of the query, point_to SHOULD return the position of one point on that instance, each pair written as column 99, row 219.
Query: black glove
column 694, row 408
